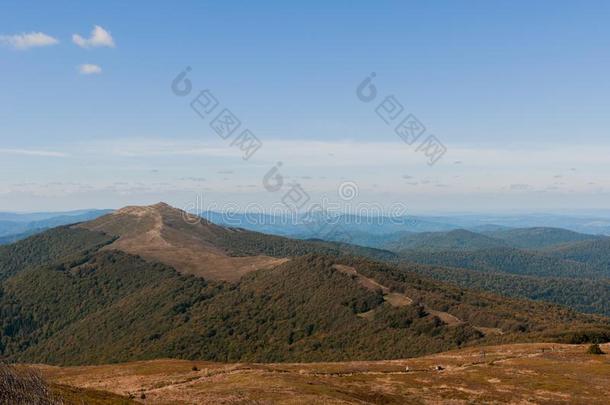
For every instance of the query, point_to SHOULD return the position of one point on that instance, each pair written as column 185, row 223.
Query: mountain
column 45, row 216
column 6, row 240
column 193, row 245
column 486, row 237
column 594, row 252
column 538, row 238
column 360, row 238
column 459, row 240
column 189, row 244
column 57, row 244
column 107, row 291
column 508, row 260
column 317, row 224
column 583, row 295
column 594, row 222
column 14, row 227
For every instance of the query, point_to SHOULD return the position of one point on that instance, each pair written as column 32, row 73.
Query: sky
column 513, row 96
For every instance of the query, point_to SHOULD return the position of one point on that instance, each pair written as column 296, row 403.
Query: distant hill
column 75, row 295
column 14, row 227
column 316, row 224
column 377, row 241
column 508, row 260
column 44, row 216
column 459, row 240
column 594, row 223
column 593, row 252
column 62, row 243
column 584, row 295
column 540, row 237
column 5, row 240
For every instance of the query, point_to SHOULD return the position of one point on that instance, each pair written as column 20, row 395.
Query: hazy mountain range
column 14, row 226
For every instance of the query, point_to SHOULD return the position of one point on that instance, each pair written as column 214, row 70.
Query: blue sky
column 517, row 92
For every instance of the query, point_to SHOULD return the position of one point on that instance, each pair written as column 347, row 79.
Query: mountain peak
column 142, row 209
column 172, row 236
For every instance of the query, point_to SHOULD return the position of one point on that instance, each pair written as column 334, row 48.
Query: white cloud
column 30, row 152
column 89, row 69
column 99, row 37
column 25, row 41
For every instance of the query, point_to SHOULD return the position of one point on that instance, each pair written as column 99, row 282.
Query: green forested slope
column 49, row 247
column 592, row 252
column 590, row 296
column 511, row 261
column 458, row 240
column 65, row 301
column 538, row 237
column 111, row 306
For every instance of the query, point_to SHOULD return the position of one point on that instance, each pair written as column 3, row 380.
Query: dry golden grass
column 165, row 234
column 521, row 373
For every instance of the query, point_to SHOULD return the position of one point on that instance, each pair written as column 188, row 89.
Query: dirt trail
column 400, row 300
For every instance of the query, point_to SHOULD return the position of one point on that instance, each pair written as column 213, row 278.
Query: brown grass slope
column 519, row 373
column 189, row 244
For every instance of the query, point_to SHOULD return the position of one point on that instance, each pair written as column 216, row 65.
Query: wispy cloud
column 99, row 37
column 26, row 41
column 314, row 153
column 32, row 152
column 89, row 69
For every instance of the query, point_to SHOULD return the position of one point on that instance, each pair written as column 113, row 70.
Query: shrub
column 586, row 336
column 595, row 349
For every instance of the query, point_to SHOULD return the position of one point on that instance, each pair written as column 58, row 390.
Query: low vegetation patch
column 24, row 386
column 595, row 349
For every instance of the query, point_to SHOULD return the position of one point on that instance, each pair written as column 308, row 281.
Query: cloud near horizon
column 30, row 40
column 31, row 152
column 99, row 37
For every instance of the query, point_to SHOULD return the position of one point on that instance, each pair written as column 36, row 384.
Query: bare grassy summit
column 190, row 244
